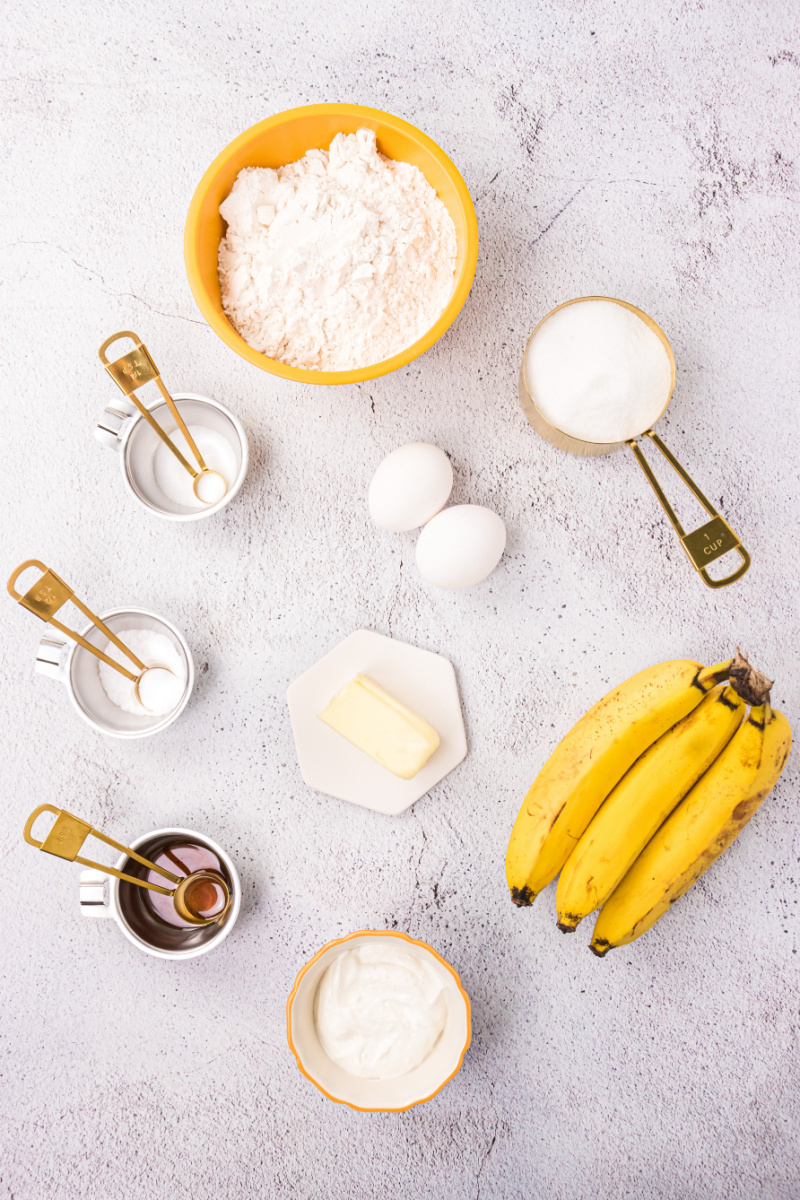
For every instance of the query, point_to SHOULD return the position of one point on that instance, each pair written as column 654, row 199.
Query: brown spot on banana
column 558, row 814
column 745, row 808
column 522, row 897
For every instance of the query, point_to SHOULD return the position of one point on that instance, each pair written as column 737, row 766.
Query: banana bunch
column 645, row 792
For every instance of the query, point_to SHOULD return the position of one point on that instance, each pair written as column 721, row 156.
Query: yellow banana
column 641, row 801
column 701, row 827
column 591, row 760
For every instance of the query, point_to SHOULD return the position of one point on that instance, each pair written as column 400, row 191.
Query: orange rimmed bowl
column 377, row 1095
column 285, row 138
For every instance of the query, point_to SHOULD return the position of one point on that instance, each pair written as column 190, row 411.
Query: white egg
column 460, row 546
column 409, row 487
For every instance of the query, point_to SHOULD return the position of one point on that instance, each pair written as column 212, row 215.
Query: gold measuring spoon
column 702, row 545
column 50, row 594
column 200, row 898
column 134, row 370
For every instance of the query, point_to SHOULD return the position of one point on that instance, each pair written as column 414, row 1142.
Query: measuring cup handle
column 709, row 541
column 113, row 422
column 51, row 659
column 741, row 570
column 93, row 895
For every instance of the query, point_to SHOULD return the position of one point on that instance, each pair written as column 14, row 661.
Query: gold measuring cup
column 50, row 594
column 200, row 898
column 703, row 545
column 134, row 370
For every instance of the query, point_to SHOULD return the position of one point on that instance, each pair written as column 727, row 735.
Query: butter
column 382, row 727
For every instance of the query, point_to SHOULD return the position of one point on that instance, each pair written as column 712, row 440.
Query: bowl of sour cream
column 379, row 1021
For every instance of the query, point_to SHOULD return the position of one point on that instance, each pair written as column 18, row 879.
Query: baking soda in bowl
column 598, row 372
column 176, row 482
column 161, row 690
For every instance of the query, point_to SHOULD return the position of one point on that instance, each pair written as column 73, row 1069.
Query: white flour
column 337, row 261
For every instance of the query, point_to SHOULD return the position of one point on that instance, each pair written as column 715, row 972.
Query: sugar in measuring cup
column 595, row 379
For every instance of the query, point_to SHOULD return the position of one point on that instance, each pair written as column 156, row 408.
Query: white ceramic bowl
column 377, row 1095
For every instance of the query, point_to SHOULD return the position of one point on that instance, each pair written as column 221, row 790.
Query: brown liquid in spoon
column 151, row 915
column 205, row 897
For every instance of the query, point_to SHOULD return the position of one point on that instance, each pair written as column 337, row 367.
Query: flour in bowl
column 337, row 261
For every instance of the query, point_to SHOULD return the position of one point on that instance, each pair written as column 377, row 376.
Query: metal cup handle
column 711, row 540
column 93, row 895
column 112, row 424
column 50, row 658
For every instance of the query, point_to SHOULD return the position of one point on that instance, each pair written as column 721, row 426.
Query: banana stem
column 747, row 682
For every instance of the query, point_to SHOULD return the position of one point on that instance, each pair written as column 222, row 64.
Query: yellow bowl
column 377, row 1095
column 285, row 138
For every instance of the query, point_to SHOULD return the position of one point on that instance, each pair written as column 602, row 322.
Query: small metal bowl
column 124, row 429
column 63, row 660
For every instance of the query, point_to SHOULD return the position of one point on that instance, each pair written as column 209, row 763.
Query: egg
column 460, row 546
column 409, row 487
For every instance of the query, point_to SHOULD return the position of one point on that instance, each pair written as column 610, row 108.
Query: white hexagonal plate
column 423, row 681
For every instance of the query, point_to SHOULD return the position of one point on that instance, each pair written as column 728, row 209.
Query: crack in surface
column 485, row 191
column 562, row 210
column 484, row 1161
column 527, row 123
column 452, row 827
column 108, row 291
column 422, row 850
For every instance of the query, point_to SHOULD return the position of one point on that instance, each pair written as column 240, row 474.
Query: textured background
column 640, row 150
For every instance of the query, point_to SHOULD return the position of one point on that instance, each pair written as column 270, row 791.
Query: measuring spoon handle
column 49, row 595
column 134, row 370
column 67, row 835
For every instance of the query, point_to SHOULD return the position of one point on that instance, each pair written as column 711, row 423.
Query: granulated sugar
column 337, row 261
column 597, row 372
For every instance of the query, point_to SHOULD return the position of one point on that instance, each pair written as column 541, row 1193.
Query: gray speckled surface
column 640, row 150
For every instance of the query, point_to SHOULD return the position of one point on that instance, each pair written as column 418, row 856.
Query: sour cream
column 379, row 1010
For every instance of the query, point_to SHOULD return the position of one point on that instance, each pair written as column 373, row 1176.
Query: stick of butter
column 382, row 727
